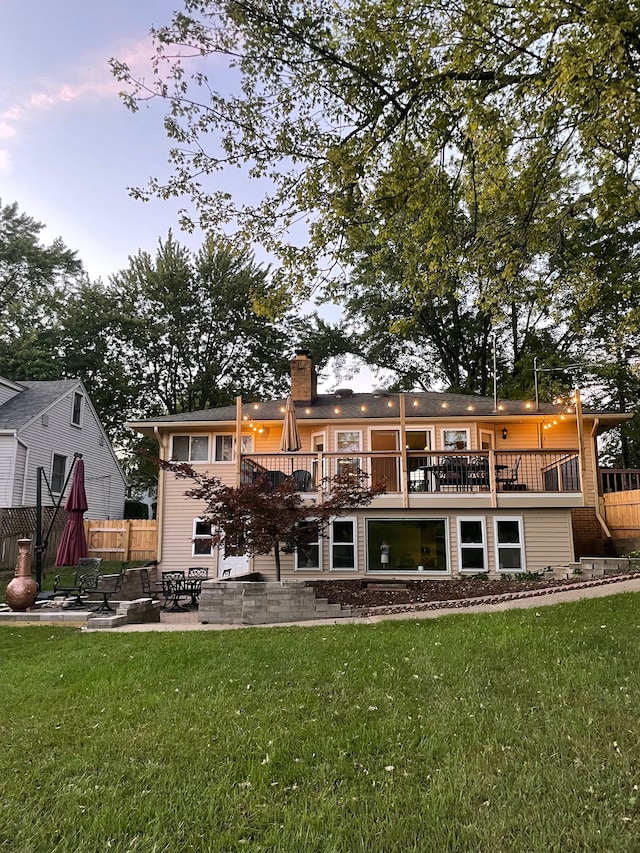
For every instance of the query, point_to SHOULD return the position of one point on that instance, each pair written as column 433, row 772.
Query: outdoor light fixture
column 504, row 433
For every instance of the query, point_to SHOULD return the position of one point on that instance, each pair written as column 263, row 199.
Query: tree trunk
column 276, row 552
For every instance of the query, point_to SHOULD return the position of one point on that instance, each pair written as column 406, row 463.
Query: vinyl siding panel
column 19, row 474
column 104, row 481
column 547, row 536
column 6, row 393
column 176, row 543
column 7, row 468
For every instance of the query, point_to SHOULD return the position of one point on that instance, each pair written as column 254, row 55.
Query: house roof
column 371, row 406
column 34, row 397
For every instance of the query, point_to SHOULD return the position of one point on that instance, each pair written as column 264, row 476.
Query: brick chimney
column 304, row 382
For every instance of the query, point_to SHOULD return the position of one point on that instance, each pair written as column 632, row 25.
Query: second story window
column 225, row 447
column 190, row 448
column 58, row 471
column 76, row 414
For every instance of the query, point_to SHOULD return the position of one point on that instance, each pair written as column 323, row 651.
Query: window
column 472, row 550
column 225, row 449
column 348, row 467
column 190, row 448
column 509, row 544
column 202, row 545
column 455, row 439
column 417, row 442
column 76, row 414
column 58, row 472
column 418, row 439
column 343, row 543
column 308, row 556
column 416, row 545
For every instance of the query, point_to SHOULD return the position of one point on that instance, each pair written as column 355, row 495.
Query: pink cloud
column 89, row 81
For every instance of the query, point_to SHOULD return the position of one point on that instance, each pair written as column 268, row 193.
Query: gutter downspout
column 601, row 520
column 160, row 501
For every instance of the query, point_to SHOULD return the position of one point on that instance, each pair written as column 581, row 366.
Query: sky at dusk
column 68, row 146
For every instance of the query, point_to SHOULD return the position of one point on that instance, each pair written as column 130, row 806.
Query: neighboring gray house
column 42, row 424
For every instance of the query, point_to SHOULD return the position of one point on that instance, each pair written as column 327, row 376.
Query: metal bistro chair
column 108, row 586
column 509, row 479
column 195, row 576
column 172, row 588
column 145, row 581
column 85, row 580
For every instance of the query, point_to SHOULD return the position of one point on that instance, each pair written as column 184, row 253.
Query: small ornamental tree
column 257, row 518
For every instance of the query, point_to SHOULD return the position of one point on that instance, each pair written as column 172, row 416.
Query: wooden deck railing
column 426, row 471
column 618, row 479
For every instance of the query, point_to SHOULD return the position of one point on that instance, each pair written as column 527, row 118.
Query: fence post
column 126, row 540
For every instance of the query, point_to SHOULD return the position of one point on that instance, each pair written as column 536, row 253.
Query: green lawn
column 500, row 732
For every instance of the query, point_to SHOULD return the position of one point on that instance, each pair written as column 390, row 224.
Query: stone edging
column 492, row 599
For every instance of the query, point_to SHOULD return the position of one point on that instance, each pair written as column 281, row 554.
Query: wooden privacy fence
column 622, row 513
column 130, row 539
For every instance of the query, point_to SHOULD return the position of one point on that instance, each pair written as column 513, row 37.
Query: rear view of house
column 43, row 425
column 473, row 484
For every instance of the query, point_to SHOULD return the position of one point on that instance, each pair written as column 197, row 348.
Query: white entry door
column 232, row 566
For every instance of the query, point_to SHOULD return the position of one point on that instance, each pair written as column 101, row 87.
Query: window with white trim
column 472, row 544
column 76, row 412
column 348, row 441
column 309, row 555
column 225, row 447
column 509, row 544
column 455, row 439
column 407, row 545
column 202, row 545
column 58, row 473
column 343, row 544
column 190, row 448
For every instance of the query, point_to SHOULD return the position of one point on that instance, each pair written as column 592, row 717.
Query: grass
column 511, row 731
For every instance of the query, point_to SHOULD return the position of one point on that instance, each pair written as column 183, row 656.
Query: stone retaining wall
column 263, row 603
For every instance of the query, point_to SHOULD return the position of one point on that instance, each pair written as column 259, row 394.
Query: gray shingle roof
column 35, row 398
column 422, row 404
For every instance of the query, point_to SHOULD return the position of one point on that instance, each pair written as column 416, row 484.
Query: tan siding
column 177, row 528
column 547, row 539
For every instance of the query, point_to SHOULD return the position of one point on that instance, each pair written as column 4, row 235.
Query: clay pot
column 22, row 590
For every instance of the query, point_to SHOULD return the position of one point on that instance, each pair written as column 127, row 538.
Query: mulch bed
column 361, row 593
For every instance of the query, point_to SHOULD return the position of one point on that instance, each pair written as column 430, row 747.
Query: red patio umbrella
column 73, row 543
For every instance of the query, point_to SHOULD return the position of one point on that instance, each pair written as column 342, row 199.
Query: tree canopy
column 449, row 154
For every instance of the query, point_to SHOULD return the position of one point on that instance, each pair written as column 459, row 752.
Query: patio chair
column 303, row 480
column 147, row 589
column 510, row 478
column 85, row 580
column 172, row 588
column 107, row 587
column 198, row 572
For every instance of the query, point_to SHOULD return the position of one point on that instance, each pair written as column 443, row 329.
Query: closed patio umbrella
column 290, row 441
column 73, row 544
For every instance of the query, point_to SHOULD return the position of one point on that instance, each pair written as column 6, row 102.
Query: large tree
column 29, row 269
column 383, row 124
